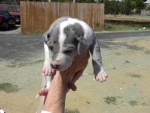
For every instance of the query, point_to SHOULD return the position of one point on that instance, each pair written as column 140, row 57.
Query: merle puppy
column 66, row 38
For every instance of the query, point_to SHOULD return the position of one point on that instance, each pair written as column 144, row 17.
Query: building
column 147, row 2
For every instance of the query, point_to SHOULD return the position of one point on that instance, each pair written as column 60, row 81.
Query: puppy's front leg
column 100, row 74
column 46, row 68
column 47, row 71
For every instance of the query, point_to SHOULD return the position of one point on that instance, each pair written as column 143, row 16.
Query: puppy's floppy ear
column 82, row 45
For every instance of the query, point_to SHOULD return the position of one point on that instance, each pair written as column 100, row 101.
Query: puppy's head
column 64, row 42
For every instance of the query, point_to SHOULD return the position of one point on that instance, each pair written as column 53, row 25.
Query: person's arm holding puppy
column 55, row 99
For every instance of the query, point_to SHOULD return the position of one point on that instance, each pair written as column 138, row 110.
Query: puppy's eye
column 67, row 51
column 48, row 36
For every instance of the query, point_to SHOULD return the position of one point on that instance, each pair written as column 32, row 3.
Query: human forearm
column 55, row 101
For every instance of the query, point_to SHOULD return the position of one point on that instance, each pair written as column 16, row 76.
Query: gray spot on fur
column 75, row 36
column 73, row 32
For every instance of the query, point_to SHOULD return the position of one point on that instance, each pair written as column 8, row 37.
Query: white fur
column 65, row 63
column 62, row 36
column 1, row 111
column 47, row 58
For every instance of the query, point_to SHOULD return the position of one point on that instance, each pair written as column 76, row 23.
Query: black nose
column 54, row 66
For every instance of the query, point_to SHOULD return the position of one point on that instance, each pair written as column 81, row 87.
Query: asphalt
column 18, row 47
column 123, row 34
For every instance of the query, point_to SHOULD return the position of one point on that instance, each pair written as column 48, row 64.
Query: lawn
column 110, row 26
column 124, row 22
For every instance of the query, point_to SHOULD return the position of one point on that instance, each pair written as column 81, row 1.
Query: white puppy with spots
column 66, row 38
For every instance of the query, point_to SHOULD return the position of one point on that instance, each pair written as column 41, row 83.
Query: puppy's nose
column 54, row 66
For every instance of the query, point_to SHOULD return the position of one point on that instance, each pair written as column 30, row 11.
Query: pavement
column 20, row 46
column 125, row 58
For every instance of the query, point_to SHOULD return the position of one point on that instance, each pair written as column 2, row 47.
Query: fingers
column 77, row 76
column 72, row 86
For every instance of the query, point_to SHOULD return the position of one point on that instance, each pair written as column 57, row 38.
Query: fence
column 38, row 16
column 145, row 12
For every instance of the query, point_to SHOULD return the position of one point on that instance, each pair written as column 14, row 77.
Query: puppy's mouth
column 60, row 67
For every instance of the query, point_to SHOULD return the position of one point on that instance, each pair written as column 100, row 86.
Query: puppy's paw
column 46, row 87
column 43, row 92
column 47, row 69
column 101, row 76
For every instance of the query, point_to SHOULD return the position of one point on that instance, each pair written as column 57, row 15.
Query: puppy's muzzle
column 55, row 66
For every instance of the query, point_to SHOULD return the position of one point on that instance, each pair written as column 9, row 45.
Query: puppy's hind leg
column 100, row 74
column 42, row 94
column 46, row 86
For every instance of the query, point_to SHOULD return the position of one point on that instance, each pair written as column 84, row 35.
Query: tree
column 127, row 7
column 139, row 5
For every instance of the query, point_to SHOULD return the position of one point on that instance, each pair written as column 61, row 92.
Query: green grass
column 36, row 32
column 110, row 100
column 8, row 88
column 133, row 103
column 71, row 111
column 124, row 27
column 134, row 75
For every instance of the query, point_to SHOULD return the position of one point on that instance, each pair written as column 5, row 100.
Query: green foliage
column 111, row 7
column 125, row 7
column 133, row 4
column 148, row 7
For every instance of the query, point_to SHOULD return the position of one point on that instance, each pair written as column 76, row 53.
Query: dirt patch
column 128, row 18
column 126, row 90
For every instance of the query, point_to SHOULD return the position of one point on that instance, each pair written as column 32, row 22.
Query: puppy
column 66, row 38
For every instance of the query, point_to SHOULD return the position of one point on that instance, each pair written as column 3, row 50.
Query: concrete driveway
column 126, row 58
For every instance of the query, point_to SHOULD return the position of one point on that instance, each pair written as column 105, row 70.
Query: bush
column 125, row 7
column 148, row 7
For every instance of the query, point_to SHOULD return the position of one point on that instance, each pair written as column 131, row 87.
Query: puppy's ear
column 82, row 45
